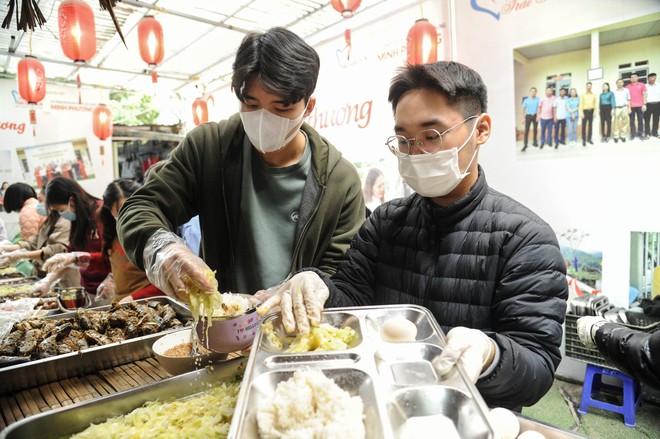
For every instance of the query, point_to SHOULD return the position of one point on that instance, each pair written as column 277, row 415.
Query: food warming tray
column 69, row 420
column 396, row 381
column 37, row 372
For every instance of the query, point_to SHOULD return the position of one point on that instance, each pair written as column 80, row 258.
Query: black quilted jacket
column 485, row 262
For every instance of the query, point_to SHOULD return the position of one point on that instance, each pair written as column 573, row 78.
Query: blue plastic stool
column 593, row 385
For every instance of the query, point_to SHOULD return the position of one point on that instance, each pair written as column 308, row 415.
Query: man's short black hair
column 462, row 86
column 284, row 64
column 16, row 195
column 651, row 75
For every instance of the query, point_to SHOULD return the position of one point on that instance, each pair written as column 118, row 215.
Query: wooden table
column 19, row 405
column 28, row 402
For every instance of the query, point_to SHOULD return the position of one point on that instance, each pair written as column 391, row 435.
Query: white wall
column 59, row 118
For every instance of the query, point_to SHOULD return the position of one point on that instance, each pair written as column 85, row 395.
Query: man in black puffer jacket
column 488, row 268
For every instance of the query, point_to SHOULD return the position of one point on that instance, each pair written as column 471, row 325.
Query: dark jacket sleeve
column 527, row 314
column 166, row 200
column 636, row 353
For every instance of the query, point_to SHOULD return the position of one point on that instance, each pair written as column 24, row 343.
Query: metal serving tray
column 17, row 280
column 37, row 372
column 395, row 380
column 69, row 420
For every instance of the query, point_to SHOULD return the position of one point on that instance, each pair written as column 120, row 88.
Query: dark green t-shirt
column 270, row 200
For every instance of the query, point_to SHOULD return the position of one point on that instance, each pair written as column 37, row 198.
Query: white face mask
column 268, row 131
column 435, row 175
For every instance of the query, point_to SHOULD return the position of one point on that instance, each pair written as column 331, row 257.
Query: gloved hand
column 301, row 300
column 59, row 261
column 587, row 327
column 8, row 259
column 9, row 247
column 473, row 347
column 43, row 286
column 174, row 268
column 106, row 289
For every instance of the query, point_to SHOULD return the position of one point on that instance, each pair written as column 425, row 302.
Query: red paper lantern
column 77, row 30
column 200, row 111
column 150, row 38
column 102, row 121
column 346, row 7
column 31, row 78
column 422, row 43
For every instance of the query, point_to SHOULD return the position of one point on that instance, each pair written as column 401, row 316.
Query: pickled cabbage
column 202, row 416
column 324, row 337
column 202, row 303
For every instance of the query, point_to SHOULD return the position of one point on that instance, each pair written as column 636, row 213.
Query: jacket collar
column 452, row 214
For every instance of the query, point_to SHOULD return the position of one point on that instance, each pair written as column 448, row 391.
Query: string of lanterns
column 78, row 41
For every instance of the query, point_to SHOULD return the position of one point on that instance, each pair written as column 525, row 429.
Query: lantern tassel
column 30, row 15
column 108, row 5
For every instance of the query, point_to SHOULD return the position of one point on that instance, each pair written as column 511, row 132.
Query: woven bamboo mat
column 69, row 391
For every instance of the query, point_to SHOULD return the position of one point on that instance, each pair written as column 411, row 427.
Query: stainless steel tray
column 17, row 280
column 548, row 431
column 66, row 421
column 395, row 380
column 37, row 372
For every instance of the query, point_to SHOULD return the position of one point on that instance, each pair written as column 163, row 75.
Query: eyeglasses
column 428, row 141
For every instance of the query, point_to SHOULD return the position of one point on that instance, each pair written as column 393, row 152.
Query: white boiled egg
column 398, row 329
column 505, row 423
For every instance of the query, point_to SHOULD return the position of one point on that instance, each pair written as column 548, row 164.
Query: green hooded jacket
column 203, row 177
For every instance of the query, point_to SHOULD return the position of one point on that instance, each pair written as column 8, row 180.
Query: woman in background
column 607, row 103
column 374, row 189
column 52, row 238
column 3, row 188
column 127, row 282
column 74, row 204
column 572, row 105
column 21, row 198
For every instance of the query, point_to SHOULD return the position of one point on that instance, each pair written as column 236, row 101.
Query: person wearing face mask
column 488, row 268
column 271, row 193
column 21, row 198
column 74, row 204
column 51, row 239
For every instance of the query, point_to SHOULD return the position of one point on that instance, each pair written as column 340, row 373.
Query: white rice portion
column 310, row 405
column 232, row 304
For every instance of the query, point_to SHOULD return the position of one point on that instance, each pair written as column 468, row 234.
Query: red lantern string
column 422, row 43
column 31, row 78
column 77, row 30
column 102, row 121
column 150, row 38
column 200, row 111
column 346, row 7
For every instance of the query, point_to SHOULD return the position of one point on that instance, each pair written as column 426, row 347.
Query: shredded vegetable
column 321, row 338
column 203, row 416
column 202, row 303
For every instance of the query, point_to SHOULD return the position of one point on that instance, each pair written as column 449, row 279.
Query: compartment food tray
column 37, row 372
column 73, row 419
column 396, row 381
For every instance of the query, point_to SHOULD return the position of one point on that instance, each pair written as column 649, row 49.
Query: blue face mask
column 41, row 209
column 68, row 215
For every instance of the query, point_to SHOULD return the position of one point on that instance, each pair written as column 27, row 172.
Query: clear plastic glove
column 59, row 261
column 6, row 248
column 471, row 346
column 106, row 289
column 43, row 286
column 174, row 268
column 301, row 300
column 126, row 299
column 587, row 327
column 8, row 259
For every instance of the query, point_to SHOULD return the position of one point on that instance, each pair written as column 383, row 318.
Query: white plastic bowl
column 179, row 365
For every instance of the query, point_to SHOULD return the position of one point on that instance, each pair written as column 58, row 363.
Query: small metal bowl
column 70, row 299
column 229, row 333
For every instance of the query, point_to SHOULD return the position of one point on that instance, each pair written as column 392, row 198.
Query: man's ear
column 483, row 128
column 310, row 106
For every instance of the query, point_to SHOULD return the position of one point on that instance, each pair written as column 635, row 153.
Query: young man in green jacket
column 272, row 195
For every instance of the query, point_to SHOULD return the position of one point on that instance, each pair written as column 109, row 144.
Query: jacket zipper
column 296, row 250
column 231, row 246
